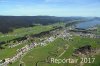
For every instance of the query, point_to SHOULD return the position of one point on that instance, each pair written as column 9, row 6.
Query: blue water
column 88, row 24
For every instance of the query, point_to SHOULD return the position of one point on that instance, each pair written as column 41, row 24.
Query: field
column 24, row 31
column 38, row 56
column 60, row 48
column 9, row 52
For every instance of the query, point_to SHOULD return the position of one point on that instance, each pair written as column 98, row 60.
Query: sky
column 50, row 8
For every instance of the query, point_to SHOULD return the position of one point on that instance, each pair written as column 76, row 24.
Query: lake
column 87, row 24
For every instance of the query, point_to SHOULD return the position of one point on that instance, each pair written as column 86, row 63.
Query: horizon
column 47, row 16
column 60, row 8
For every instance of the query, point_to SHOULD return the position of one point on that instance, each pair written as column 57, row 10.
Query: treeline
column 8, row 23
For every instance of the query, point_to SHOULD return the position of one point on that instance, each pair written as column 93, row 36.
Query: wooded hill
column 8, row 23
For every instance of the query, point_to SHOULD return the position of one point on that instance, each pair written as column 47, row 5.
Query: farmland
column 38, row 44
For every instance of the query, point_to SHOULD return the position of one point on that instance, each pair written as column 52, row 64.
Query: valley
column 35, row 46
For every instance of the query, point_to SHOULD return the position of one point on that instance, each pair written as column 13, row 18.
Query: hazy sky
column 50, row 7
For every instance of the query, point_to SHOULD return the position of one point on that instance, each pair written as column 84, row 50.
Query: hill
column 8, row 23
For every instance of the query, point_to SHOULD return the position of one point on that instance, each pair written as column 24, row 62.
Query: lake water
column 88, row 24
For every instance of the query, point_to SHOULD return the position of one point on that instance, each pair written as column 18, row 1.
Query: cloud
column 3, row 1
column 72, row 1
column 55, row 0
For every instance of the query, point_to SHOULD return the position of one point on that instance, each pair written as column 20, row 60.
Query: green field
column 21, row 32
column 9, row 52
column 40, row 54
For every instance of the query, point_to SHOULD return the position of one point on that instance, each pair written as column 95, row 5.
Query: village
column 58, row 33
column 43, row 42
